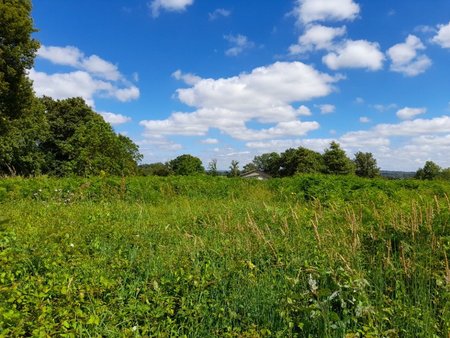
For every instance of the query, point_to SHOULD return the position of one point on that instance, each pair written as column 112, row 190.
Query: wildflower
column 134, row 328
column 312, row 284
column 71, row 245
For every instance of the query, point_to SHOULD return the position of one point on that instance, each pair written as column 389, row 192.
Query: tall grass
column 310, row 256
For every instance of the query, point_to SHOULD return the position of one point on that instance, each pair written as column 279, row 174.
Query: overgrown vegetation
column 313, row 255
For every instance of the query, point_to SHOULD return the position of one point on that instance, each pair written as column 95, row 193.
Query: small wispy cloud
column 239, row 43
column 219, row 13
column 156, row 6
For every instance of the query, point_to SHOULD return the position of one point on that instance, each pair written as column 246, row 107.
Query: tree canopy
column 268, row 163
column 366, row 165
column 429, row 171
column 186, row 165
column 300, row 160
column 336, row 161
column 17, row 52
column 234, row 169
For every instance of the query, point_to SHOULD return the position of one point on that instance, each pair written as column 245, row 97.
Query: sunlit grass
column 204, row 257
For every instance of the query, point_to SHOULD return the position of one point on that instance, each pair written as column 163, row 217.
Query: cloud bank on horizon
column 309, row 94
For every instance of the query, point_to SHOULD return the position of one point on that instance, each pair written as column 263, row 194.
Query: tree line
column 42, row 135
column 292, row 161
column 334, row 160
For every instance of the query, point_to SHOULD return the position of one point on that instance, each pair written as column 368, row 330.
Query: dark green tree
column 154, row 169
column 17, row 52
column 430, row 171
column 336, row 161
column 249, row 167
column 21, row 150
column 445, row 174
column 268, row 163
column 22, row 123
column 80, row 142
column 186, row 165
column 300, row 160
column 366, row 165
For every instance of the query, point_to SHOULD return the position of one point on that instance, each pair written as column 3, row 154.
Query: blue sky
column 231, row 79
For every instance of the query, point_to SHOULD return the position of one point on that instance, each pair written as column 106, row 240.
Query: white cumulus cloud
column 317, row 37
column 115, row 119
column 308, row 11
column 442, row 37
column 405, row 58
column 168, row 5
column 93, row 76
column 355, row 54
column 408, row 113
column 266, row 95
column 72, row 56
column 187, row 78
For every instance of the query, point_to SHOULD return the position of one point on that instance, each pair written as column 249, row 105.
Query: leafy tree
column 80, row 142
column 234, row 169
column 21, row 150
column 154, row 169
column 366, row 165
column 212, row 167
column 268, row 163
column 336, row 161
column 445, row 174
column 430, row 171
column 186, row 165
column 17, row 52
column 300, row 160
column 249, row 167
column 22, row 122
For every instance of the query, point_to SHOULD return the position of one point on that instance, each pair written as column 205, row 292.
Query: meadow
column 308, row 256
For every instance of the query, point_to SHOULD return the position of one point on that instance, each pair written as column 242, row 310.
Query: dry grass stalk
column 352, row 219
column 447, row 269
column 315, row 224
column 259, row 233
column 438, row 207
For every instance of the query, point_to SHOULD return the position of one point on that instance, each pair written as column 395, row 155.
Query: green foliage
column 309, row 256
column 430, row 171
column 336, row 161
column 82, row 143
column 300, row 161
column 445, row 174
column 234, row 169
column 21, row 147
column 249, row 167
column 185, row 165
column 268, row 163
column 17, row 51
column 366, row 165
column 154, row 169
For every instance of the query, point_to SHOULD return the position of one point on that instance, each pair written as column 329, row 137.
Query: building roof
column 256, row 174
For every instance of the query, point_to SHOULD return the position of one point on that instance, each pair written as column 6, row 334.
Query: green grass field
column 309, row 256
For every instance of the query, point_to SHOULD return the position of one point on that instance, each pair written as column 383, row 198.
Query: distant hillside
column 397, row 174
